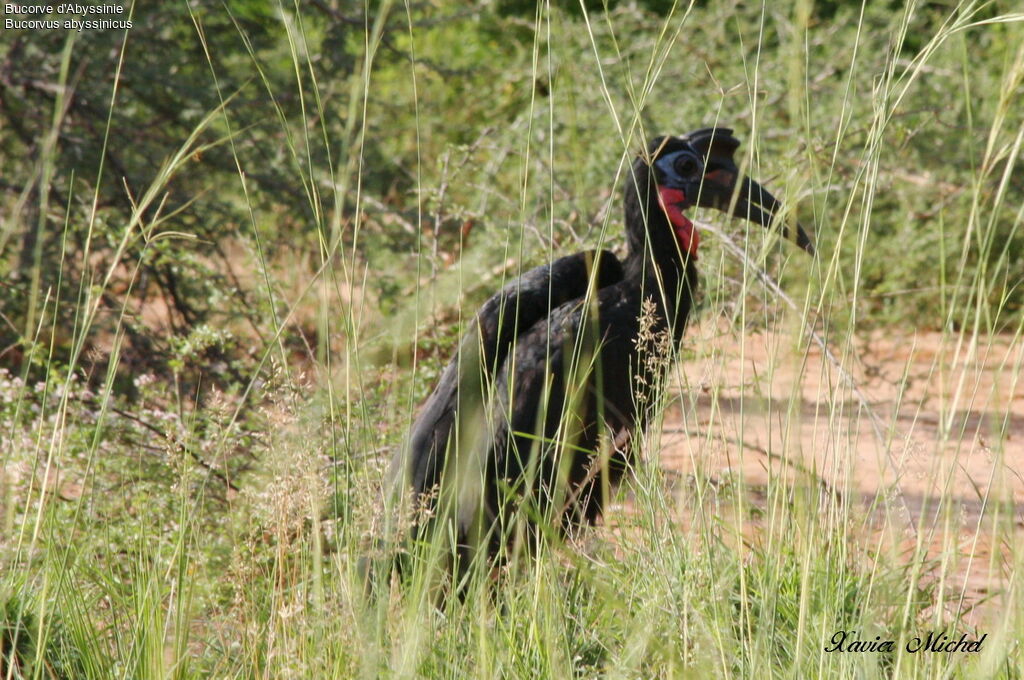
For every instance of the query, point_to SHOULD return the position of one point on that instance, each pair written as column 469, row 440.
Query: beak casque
column 722, row 182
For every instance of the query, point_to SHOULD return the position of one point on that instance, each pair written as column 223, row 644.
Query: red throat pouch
column 686, row 233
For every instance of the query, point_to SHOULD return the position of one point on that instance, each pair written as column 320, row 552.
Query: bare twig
column 796, row 465
column 384, row 209
column 214, row 472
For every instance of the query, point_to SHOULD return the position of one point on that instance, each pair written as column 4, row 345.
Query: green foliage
column 34, row 640
column 479, row 144
column 238, row 243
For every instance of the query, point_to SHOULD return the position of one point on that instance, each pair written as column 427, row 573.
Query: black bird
column 530, row 424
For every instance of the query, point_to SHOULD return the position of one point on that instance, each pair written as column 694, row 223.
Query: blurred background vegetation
column 480, row 126
column 237, row 205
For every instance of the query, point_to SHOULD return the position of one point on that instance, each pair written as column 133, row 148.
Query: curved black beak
column 756, row 204
column 753, row 202
column 721, row 177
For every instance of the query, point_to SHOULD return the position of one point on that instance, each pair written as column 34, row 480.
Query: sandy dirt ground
column 891, row 424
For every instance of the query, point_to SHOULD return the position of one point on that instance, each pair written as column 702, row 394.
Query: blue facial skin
column 681, row 170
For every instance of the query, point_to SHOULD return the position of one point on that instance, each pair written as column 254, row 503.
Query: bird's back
column 459, row 403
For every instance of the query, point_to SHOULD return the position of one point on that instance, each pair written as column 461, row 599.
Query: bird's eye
column 687, row 165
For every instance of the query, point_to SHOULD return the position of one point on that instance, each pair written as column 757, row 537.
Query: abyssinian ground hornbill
column 530, row 424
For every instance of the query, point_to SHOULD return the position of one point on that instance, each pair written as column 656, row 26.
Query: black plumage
column 530, row 424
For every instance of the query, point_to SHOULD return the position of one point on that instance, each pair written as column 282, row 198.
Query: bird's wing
column 462, row 390
column 571, row 374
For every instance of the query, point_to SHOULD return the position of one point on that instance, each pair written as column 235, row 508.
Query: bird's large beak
column 753, row 202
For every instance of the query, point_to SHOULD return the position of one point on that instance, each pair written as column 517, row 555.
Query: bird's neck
column 687, row 237
column 662, row 251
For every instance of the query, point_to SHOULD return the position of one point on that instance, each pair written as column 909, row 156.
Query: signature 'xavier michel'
column 531, row 422
column 934, row 641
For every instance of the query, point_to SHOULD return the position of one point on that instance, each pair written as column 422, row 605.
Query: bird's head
column 698, row 169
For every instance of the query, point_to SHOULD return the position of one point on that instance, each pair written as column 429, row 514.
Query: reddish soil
column 948, row 424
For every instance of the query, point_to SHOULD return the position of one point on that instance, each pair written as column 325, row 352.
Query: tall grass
column 211, row 533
